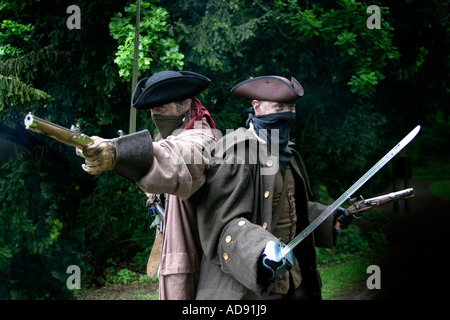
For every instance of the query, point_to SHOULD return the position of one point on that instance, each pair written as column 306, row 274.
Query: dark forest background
column 365, row 89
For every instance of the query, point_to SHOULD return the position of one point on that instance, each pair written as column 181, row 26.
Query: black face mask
column 275, row 121
column 167, row 124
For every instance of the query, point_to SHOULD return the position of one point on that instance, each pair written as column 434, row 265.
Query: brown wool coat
column 235, row 220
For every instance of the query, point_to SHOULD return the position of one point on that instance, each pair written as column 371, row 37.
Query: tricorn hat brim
column 269, row 88
column 167, row 86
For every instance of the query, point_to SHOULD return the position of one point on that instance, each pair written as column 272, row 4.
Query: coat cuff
column 240, row 247
column 134, row 155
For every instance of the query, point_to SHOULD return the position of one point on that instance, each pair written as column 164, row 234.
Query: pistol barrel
column 393, row 196
column 56, row 132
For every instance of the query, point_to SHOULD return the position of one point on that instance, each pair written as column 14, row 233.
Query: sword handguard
column 273, row 264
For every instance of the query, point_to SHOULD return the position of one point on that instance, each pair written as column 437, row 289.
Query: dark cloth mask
column 279, row 121
column 167, row 124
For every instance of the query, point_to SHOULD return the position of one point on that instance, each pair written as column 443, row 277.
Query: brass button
column 241, row 223
column 269, row 163
column 225, row 256
column 264, row 225
column 228, row 239
column 266, row 194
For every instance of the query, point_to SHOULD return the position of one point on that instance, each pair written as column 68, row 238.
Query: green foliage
column 32, row 245
column 441, row 189
column 431, row 168
column 434, row 139
column 12, row 34
column 13, row 91
column 337, row 122
column 353, row 242
column 218, row 34
column 121, row 218
column 327, row 47
column 157, row 49
column 41, row 191
column 123, row 276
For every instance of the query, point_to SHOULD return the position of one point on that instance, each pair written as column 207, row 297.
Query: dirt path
column 418, row 262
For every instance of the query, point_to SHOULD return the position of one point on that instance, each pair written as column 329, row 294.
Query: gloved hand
column 272, row 265
column 342, row 219
column 100, row 156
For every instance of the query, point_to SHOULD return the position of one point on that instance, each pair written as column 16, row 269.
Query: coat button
column 266, row 194
column 225, row 256
column 269, row 163
column 264, row 225
column 228, row 239
column 241, row 223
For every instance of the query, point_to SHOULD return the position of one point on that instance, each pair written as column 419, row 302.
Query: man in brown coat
column 258, row 193
column 175, row 165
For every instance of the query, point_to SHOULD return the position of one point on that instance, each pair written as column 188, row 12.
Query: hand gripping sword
column 358, row 184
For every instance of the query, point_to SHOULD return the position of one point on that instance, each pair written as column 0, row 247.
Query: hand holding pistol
column 358, row 208
column 129, row 156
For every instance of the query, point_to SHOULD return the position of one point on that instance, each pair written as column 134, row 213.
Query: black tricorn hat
column 167, row 86
column 269, row 88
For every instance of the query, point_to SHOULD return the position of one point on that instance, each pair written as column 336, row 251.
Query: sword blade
column 358, row 184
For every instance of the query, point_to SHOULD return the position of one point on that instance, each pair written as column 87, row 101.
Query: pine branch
column 14, row 92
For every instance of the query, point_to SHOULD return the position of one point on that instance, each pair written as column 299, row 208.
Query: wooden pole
column 135, row 67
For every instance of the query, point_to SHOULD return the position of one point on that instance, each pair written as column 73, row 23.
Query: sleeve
column 134, row 155
column 179, row 164
column 227, row 235
column 324, row 234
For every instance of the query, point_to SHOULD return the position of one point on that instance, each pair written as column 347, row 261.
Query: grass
column 344, row 268
column 134, row 291
column 342, row 277
column 122, row 284
column 345, row 271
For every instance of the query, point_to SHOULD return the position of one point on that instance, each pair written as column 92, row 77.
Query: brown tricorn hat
column 269, row 88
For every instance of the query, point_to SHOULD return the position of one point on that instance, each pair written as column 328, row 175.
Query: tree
column 326, row 46
column 14, row 91
column 157, row 49
column 52, row 213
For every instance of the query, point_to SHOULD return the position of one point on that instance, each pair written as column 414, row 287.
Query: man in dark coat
column 256, row 195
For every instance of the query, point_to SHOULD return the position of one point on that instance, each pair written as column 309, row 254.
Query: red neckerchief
column 197, row 113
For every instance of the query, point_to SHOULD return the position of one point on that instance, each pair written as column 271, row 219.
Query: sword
column 358, row 184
